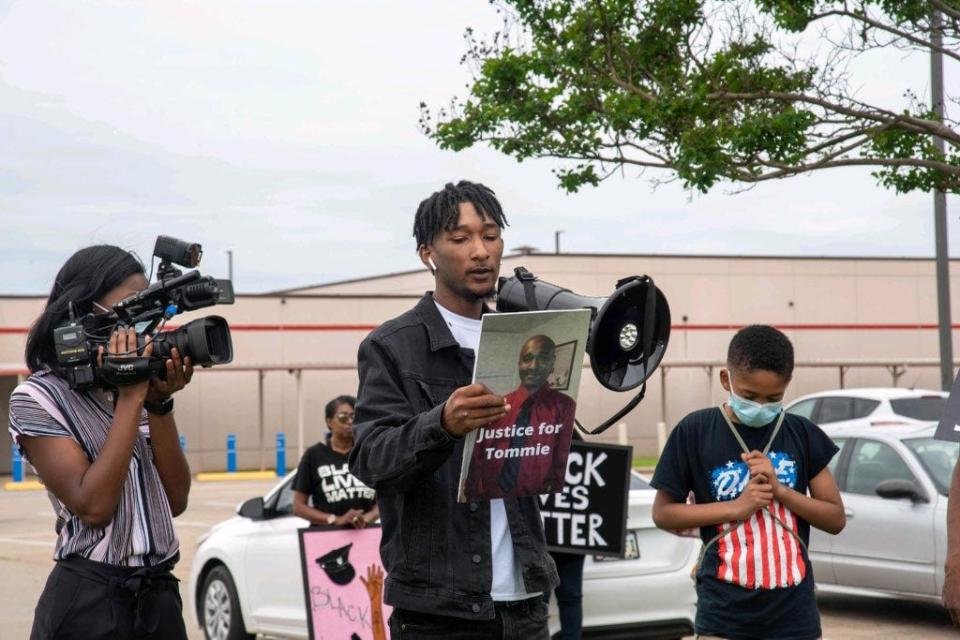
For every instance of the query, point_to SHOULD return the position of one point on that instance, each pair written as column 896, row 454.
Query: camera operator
column 112, row 465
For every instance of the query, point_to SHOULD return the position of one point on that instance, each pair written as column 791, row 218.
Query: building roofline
column 565, row 254
column 392, row 274
column 572, row 254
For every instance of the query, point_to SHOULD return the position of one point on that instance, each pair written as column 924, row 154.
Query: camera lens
column 205, row 340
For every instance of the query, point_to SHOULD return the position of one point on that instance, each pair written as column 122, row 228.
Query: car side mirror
column 898, row 489
column 252, row 508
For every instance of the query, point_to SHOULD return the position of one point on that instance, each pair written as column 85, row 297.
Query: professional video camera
column 205, row 340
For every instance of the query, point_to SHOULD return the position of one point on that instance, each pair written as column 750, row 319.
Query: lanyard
column 746, row 449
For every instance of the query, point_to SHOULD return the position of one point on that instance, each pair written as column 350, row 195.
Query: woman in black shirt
column 337, row 497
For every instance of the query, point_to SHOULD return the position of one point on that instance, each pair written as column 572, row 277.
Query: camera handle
column 166, row 270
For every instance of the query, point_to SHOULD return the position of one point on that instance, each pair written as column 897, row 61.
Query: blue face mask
column 754, row 414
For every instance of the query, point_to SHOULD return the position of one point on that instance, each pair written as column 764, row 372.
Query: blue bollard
column 183, row 442
column 231, row 452
column 281, row 454
column 17, row 465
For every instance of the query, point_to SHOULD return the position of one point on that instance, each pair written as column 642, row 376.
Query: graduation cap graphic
column 336, row 564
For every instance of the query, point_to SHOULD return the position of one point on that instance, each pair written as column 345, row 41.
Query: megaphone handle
column 529, row 289
column 649, row 320
column 609, row 422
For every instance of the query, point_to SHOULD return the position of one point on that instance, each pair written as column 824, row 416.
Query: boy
column 750, row 467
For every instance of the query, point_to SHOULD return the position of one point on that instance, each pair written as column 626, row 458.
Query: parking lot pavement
column 859, row 618
column 27, row 538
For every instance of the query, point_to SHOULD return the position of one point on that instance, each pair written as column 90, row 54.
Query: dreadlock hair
column 761, row 346
column 441, row 211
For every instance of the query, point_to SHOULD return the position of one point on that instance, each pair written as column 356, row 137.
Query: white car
column 246, row 576
column 894, row 484
column 878, row 407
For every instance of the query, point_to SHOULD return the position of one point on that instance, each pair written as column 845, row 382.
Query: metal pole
column 230, row 265
column 556, row 240
column 299, row 375
column 940, row 211
column 261, row 375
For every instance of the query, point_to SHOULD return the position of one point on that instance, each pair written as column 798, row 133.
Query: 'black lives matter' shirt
column 323, row 475
column 755, row 582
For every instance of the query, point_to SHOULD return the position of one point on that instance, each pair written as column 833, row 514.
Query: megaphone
column 629, row 329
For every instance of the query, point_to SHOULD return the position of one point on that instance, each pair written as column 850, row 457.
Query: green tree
column 725, row 90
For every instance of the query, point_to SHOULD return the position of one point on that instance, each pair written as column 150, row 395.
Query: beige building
column 296, row 349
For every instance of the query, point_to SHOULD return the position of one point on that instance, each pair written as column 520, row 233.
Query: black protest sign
column 949, row 427
column 589, row 515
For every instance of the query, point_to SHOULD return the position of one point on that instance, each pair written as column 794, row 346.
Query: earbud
column 432, row 264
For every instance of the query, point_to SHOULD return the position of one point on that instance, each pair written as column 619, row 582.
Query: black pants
column 569, row 594
column 521, row 620
column 87, row 600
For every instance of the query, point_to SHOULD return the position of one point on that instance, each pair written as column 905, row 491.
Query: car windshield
column 937, row 457
column 925, row 408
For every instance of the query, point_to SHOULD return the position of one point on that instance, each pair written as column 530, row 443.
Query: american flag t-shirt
column 760, row 553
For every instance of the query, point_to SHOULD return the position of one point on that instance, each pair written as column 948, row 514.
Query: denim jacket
column 436, row 550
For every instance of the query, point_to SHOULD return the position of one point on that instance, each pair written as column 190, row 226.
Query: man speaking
column 473, row 570
column 520, row 454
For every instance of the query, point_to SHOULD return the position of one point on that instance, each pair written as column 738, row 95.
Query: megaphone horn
column 629, row 329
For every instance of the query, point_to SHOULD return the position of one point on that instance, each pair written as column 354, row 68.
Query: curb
column 25, row 485
column 216, row 476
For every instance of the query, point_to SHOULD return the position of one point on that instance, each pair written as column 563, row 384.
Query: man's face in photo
column 537, row 358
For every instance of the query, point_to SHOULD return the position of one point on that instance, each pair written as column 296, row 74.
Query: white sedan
column 875, row 407
column 246, row 577
column 894, row 484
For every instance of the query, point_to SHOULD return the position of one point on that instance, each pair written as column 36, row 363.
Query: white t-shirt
column 507, row 576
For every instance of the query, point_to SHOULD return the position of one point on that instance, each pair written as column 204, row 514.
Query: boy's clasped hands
column 762, row 488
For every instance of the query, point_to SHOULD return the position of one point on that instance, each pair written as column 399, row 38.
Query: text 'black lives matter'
column 589, row 515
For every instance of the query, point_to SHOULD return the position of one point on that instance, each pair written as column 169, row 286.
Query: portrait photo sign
column 343, row 583
column 535, row 360
column 589, row 515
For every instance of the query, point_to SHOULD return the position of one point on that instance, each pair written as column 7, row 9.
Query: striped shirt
column 141, row 532
column 760, row 553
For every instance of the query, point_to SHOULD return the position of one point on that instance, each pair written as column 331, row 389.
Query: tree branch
column 877, row 115
column 946, row 9
column 888, row 28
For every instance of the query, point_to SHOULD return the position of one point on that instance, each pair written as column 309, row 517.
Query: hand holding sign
column 471, row 407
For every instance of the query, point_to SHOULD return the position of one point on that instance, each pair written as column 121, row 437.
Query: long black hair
column 88, row 275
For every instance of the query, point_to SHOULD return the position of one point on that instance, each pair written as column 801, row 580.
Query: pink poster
column 343, row 582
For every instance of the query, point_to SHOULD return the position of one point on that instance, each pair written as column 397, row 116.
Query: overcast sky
column 287, row 132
